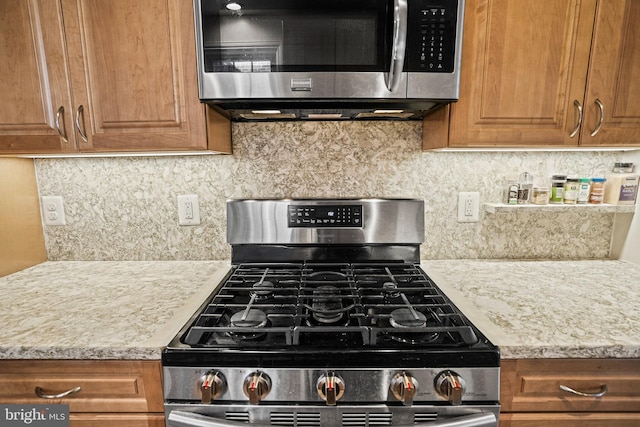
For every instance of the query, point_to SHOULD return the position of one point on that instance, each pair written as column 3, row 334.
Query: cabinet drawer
column 534, row 385
column 111, row 420
column 105, row 386
column 577, row 419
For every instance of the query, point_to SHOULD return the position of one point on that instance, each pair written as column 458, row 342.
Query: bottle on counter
column 621, row 187
column 540, row 195
column 570, row 195
column 557, row 188
column 511, row 192
column 525, row 187
column 597, row 191
column 584, row 186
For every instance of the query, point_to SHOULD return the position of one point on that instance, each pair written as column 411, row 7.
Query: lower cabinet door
column 120, row 420
column 577, row 419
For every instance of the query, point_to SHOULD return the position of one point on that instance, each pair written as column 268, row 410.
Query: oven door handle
column 190, row 419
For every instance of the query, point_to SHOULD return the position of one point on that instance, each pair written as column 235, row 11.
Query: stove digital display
column 313, row 216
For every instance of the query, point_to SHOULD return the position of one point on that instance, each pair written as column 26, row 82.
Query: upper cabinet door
column 523, row 72
column 133, row 73
column 35, row 112
column 612, row 100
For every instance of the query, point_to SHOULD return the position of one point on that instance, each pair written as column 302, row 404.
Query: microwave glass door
column 297, row 35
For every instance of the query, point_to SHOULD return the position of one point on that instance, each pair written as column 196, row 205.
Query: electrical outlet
column 188, row 210
column 468, row 206
column 53, row 210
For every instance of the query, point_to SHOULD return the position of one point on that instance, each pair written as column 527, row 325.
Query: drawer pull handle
column 603, row 390
column 43, row 395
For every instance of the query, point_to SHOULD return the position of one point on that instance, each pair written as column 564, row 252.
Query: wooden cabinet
column 102, row 76
column 535, row 73
column 124, row 393
column 530, row 393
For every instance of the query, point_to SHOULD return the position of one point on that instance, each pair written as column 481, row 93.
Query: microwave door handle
column 399, row 45
column 190, row 419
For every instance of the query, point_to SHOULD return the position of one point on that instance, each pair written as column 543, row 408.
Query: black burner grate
column 392, row 305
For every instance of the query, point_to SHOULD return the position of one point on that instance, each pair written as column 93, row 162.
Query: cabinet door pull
column 577, row 128
column 603, row 390
column 43, row 395
column 61, row 132
column 601, row 120
column 79, row 111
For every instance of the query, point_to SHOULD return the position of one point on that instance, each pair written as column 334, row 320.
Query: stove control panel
column 318, row 216
column 328, row 387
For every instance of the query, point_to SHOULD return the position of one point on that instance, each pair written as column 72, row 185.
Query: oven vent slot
column 241, row 417
column 295, row 419
column 423, row 417
column 366, row 419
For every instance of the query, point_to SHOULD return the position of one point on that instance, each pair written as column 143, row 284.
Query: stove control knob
column 212, row 384
column 256, row 386
column 330, row 388
column 451, row 386
column 404, row 387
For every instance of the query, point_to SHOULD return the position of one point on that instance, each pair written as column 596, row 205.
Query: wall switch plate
column 188, row 210
column 468, row 206
column 53, row 210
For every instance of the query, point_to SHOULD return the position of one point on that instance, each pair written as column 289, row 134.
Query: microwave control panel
column 431, row 37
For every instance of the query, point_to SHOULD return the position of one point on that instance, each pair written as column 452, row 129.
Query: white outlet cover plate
column 53, row 210
column 188, row 210
column 468, row 206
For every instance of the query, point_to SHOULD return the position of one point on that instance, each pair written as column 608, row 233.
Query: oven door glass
column 297, row 35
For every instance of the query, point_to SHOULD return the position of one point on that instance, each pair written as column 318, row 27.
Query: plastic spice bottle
column 622, row 185
column 584, row 186
column 596, row 194
column 571, row 191
column 557, row 188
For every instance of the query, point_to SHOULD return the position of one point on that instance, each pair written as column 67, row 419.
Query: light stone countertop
column 548, row 309
column 101, row 309
column 132, row 309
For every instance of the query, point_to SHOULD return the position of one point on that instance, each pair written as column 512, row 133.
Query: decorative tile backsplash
column 125, row 208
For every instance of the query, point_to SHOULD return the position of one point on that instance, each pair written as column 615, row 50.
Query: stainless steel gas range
column 327, row 319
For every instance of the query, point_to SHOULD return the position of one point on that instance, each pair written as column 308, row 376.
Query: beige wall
column 21, row 238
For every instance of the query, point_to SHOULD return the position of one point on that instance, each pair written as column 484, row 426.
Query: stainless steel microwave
column 328, row 59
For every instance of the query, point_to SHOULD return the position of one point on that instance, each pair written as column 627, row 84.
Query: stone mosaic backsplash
column 125, row 208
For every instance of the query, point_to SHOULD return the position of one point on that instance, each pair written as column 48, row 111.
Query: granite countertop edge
column 492, row 313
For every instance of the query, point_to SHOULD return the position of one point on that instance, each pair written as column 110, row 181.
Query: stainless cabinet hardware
column 79, row 112
column 44, row 395
column 577, row 128
column 601, row 119
column 603, row 390
column 61, row 132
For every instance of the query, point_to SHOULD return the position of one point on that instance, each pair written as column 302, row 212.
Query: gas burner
column 407, row 318
column 263, row 290
column 327, row 308
column 327, row 276
column 250, row 318
column 390, row 290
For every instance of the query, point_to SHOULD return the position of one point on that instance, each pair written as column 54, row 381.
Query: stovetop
column 392, row 305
